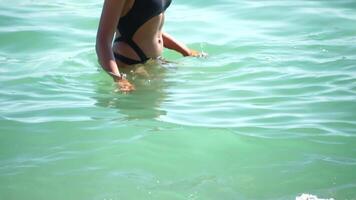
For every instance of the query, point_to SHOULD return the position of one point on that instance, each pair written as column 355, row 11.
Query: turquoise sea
column 269, row 114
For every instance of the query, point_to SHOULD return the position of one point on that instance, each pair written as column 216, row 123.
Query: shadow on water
column 145, row 101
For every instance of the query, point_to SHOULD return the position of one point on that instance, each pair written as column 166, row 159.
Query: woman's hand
column 124, row 85
column 195, row 53
column 171, row 43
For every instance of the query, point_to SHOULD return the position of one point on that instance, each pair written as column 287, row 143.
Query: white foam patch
column 310, row 197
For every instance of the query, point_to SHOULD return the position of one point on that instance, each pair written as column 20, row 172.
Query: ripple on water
column 273, row 102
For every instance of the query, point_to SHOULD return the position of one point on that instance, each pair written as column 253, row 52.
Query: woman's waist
column 151, row 48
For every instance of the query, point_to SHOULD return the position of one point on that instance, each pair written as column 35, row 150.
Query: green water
column 270, row 114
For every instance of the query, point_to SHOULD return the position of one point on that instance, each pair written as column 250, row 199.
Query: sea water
column 269, row 114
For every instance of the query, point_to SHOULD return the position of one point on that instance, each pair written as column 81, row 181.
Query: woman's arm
column 108, row 21
column 171, row 43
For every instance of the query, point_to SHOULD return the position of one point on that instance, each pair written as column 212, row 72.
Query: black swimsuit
column 140, row 13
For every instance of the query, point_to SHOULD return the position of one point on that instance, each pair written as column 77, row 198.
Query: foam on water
column 309, row 197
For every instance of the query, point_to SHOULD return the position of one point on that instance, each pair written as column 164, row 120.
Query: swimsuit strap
column 125, row 59
column 134, row 46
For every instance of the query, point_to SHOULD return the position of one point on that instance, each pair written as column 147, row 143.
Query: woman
column 137, row 25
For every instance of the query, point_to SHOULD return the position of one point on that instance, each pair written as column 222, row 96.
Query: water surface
column 270, row 114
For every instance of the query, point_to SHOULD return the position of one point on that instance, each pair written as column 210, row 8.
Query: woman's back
column 139, row 31
column 137, row 25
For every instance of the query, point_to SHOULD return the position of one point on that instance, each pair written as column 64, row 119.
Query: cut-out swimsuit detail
column 139, row 14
